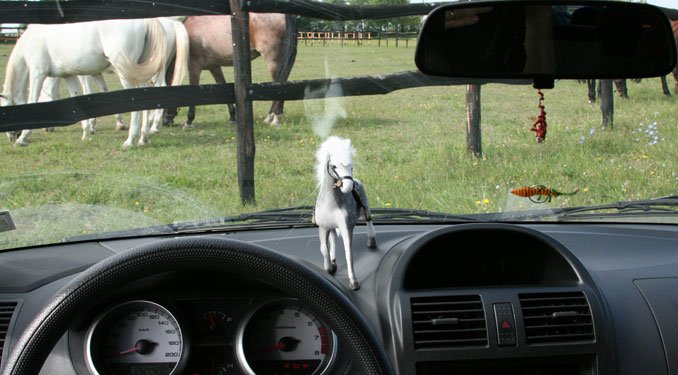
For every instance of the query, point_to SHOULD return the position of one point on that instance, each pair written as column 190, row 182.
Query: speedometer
column 284, row 337
column 136, row 337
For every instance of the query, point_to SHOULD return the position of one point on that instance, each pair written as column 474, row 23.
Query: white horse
column 341, row 200
column 138, row 50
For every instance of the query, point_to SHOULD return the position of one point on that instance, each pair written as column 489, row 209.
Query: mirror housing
column 545, row 40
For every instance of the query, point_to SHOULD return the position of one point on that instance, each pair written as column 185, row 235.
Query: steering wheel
column 199, row 253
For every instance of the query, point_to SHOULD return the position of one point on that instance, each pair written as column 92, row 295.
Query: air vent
column 448, row 321
column 557, row 318
column 6, row 311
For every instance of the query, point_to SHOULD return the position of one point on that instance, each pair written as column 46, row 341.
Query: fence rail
column 357, row 38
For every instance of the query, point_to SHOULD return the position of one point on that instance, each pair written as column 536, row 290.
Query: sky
column 665, row 3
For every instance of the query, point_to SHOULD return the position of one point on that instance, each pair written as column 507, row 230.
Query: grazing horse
column 272, row 36
column 136, row 49
column 341, row 200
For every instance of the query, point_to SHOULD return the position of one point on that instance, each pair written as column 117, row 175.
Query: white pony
column 341, row 200
column 138, row 50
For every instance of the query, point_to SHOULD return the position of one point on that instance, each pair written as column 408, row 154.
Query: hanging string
column 539, row 126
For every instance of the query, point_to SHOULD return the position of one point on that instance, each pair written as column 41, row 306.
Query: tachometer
column 136, row 337
column 284, row 337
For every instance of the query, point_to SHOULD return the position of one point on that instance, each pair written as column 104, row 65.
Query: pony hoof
column 49, row 129
column 188, row 126
column 120, row 127
column 21, row 142
column 332, row 269
column 372, row 243
column 354, row 285
column 269, row 119
column 127, row 145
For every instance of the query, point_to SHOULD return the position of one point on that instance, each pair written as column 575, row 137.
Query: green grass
column 411, row 150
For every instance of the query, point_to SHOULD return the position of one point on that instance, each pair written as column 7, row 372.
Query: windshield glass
column 421, row 148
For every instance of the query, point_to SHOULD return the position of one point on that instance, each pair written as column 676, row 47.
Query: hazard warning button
column 505, row 321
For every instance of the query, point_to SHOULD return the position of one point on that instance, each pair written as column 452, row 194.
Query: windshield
column 418, row 148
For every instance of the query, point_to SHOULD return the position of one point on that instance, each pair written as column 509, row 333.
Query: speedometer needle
column 142, row 346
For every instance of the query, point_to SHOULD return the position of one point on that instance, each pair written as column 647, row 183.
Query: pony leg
column 347, row 236
column 49, row 92
column 74, row 85
column 156, row 118
column 119, row 121
column 194, row 70
column 371, row 237
column 333, row 250
column 591, row 83
column 324, row 237
column 145, row 127
column 87, row 125
column 218, row 76
column 35, row 80
column 665, row 86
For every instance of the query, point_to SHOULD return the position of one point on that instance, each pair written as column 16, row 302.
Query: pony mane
column 340, row 148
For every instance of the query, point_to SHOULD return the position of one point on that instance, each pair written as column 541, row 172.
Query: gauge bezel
column 89, row 360
column 324, row 367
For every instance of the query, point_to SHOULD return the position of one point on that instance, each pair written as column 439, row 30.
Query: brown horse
column 272, row 35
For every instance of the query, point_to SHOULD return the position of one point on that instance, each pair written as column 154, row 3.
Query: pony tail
column 288, row 48
column 181, row 55
column 155, row 50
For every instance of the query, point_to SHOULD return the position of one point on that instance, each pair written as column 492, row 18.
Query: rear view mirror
column 546, row 40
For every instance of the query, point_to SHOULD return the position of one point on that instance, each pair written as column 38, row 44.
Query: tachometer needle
column 286, row 344
column 142, row 347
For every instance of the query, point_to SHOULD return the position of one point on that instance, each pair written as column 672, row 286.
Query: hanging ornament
column 539, row 126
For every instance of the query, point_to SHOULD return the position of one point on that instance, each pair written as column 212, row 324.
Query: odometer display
column 135, row 338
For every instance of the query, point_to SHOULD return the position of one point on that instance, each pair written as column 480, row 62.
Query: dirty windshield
column 119, row 127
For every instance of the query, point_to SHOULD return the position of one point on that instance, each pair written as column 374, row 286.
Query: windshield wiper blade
column 662, row 205
column 298, row 215
column 397, row 215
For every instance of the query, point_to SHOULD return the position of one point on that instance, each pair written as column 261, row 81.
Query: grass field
column 408, row 139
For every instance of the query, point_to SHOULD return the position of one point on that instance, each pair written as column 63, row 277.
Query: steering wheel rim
column 192, row 253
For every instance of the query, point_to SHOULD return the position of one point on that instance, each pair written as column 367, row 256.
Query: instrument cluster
column 145, row 336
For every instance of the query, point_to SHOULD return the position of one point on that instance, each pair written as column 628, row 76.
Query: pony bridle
column 338, row 180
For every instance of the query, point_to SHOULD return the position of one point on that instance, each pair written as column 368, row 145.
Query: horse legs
column 218, row 76
column 119, row 121
column 36, row 79
column 347, row 237
column 665, row 86
column 194, row 70
column 74, row 86
column 371, row 236
column 591, row 83
column 135, row 123
column 675, row 78
column 327, row 245
column 622, row 88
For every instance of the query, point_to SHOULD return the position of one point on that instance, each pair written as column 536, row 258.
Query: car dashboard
column 460, row 299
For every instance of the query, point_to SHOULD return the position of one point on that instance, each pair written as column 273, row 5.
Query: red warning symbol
column 506, row 325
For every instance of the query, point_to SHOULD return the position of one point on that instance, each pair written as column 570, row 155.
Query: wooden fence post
column 473, row 138
column 607, row 102
column 242, row 67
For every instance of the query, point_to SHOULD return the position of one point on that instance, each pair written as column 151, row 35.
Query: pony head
column 335, row 159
